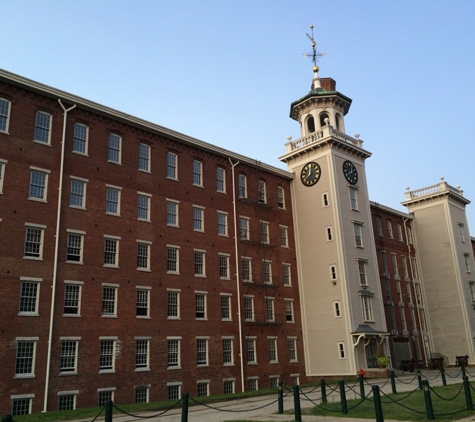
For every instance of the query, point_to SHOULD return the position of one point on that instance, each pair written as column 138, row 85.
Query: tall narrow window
column 115, row 145
column 280, row 197
column 25, row 358
column 415, row 272
column 284, row 238
column 341, row 350
column 395, row 267
column 141, row 354
column 362, row 273
column 107, row 355
column 385, row 262
column 333, row 275
column 222, row 223
column 172, row 260
column 225, row 307
column 202, row 352
column 367, row 308
column 29, row 296
column 43, row 127
column 143, row 255
column 77, row 197
column 228, row 351
column 379, row 226
column 143, row 207
column 38, row 184
column 399, row 232
column 142, row 308
column 4, row 115
column 267, row 272
column 220, row 180
column 200, row 263
column 34, row 242
column 2, row 174
column 244, row 227
column 272, row 342
column 69, row 351
column 224, row 266
column 109, row 300
column 289, row 310
column 173, row 304
column 200, row 305
column 264, row 232
column 173, row 353
column 404, row 266
column 80, row 138
column 249, row 308
column 251, row 350
column 172, row 168
column 197, row 173
column 144, row 157
column 409, row 235
column 75, row 247
column 286, row 275
column 111, row 252
column 246, row 269
column 269, row 308
column 353, row 198
column 262, row 191
column 72, row 299
column 292, row 343
column 357, row 227
column 461, row 233
column 466, row 259
column 172, row 213
column 242, row 186
column 390, row 229
column 113, row 200
column 198, row 217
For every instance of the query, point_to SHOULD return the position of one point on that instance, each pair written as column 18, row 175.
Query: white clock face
column 349, row 170
column 310, row 174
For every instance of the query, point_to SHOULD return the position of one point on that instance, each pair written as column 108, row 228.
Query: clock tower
column 344, row 326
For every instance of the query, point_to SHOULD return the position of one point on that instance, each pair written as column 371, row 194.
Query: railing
column 430, row 190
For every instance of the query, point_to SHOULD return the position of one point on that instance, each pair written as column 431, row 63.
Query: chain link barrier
column 147, row 417
column 232, row 410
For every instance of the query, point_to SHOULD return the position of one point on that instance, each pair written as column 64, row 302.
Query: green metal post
column 428, row 400
column 393, row 382
column 344, row 404
column 108, row 415
column 362, row 392
column 442, row 375
column 184, row 408
column 324, row 390
column 463, row 371
column 468, row 396
column 280, row 398
column 378, row 408
column 298, row 413
column 419, row 379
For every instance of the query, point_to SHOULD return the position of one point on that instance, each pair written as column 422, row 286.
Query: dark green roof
column 320, row 92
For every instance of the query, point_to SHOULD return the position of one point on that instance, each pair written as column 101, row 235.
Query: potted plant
column 382, row 361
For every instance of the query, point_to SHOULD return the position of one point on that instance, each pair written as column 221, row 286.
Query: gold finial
column 314, row 54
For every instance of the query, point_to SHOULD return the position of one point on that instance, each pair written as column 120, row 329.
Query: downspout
column 237, row 275
column 56, row 252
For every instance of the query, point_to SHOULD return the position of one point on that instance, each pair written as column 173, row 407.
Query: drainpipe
column 56, row 251
column 237, row 275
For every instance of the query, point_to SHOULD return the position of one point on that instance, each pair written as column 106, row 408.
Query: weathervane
column 314, row 54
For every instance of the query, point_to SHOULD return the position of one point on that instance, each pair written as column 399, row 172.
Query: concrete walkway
column 265, row 408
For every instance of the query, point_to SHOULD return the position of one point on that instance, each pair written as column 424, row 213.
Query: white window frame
column 144, row 157
column 198, row 218
column 228, row 350
column 220, row 180
column 29, row 296
column 174, row 352
column 173, row 259
column 273, row 350
column 244, row 228
column 143, row 255
column 142, row 354
column 35, row 187
column 337, row 309
column 353, row 198
column 77, row 196
column 280, row 197
column 390, row 229
column 325, row 199
column 3, row 165
column 292, row 345
column 109, row 297
column 329, row 233
column 341, row 350
column 399, row 232
column 226, row 307
column 72, row 298
column 65, row 397
column 246, row 272
column 286, row 274
column 333, row 273
column 173, row 303
column 367, row 308
column 242, row 186
column 143, row 206
column 69, row 354
column 107, row 354
column 199, row 262
column 224, row 269
column 114, row 151
column 358, row 234
column 80, row 139
column 461, row 232
column 265, row 233
column 73, row 247
column 269, row 309
column 362, row 272
column 22, row 400
column 201, row 306
column 251, row 351
column 262, row 191
column 202, row 351
column 113, row 194
column 284, row 236
column 222, row 223
column 267, row 271
column 141, row 394
column 5, row 107
column 43, row 127
column 172, row 213
column 37, row 253
column 172, row 166
column 111, row 254
column 249, row 311
column 25, row 364
column 197, row 173
column 142, row 308
column 289, row 311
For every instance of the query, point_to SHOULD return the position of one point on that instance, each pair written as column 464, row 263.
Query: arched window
column 323, row 116
column 310, row 124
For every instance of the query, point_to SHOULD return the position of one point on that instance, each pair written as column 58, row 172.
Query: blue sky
column 226, row 72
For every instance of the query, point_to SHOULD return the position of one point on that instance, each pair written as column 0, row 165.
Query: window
column 143, row 207
column 336, row 309
column 113, row 200
column 417, row 288
column 404, row 266
column 242, row 186
column 103, row 397
column 222, row 224
column 403, row 318
column 329, row 234
column 409, row 235
column 252, row 384
column 75, row 247
column 264, row 232
column 111, row 252
column 109, row 300
column 141, row 394
column 394, row 262
column 366, row 305
column 466, row 258
column 142, row 300
column 197, row 173
column 173, row 304
column 461, row 233
column 415, row 273
column 385, row 262
column 292, row 344
column 399, row 232
column 202, row 352
column 143, row 255
column 226, row 307
column 409, row 292
column 280, row 197
column 2, row 173
column 29, row 296
column 267, row 272
column 362, row 272
column 244, row 227
column 274, row 381
column 249, row 308
column 142, row 347
column 25, row 358
column 200, row 299
column 4, row 115
column 114, row 152
column 390, row 229
column 172, row 260
column 107, row 355
column 174, row 392
column 43, row 127
column 228, row 386
column 228, row 356
column 251, row 350
column 284, row 238
column 333, row 276
column 224, row 266
column 289, row 310
column 172, row 171
column 272, row 342
column 358, row 237
column 144, row 157
column 398, row 291
column 422, row 316
column 34, row 242
column 172, row 213
column 286, row 275
column 246, row 269
column 69, row 356
column 173, row 353
column 72, row 298
column 261, row 186
column 198, row 223
column 80, row 138
column 22, row 405
column 200, row 263
column 379, row 226
column 353, row 198
column 220, row 180
column 77, row 198
column 325, row 200
column 203, row 388
column 67, row 401
column 269, row 307
column 38, row 185
column 341, row 350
